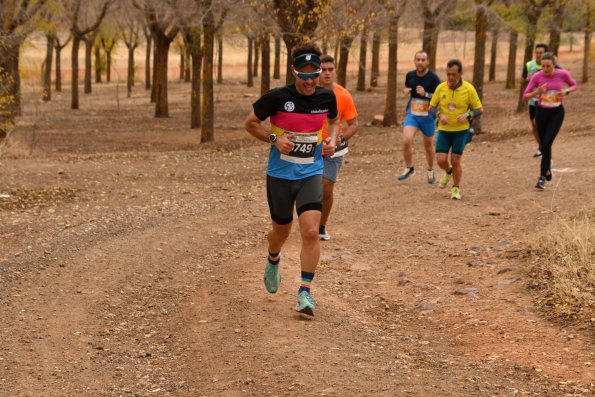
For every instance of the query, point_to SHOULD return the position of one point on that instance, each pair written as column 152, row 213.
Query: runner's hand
column 328, row 147
column 283, row 144
column 462, row 118
column 407, row 91
column 542, row 89
column 420, row 90
column 443, row 119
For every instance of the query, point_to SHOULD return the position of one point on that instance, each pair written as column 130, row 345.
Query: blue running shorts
column 426, row 124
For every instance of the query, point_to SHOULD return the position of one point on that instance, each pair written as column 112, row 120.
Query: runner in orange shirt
column 332, row 164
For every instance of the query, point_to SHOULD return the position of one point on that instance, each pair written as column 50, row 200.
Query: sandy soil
column 131, row 260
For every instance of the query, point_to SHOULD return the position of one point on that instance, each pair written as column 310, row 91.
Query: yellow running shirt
column 454, row 103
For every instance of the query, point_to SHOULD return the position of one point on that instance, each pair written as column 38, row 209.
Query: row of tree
column 198, row 24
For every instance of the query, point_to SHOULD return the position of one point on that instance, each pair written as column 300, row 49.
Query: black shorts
column 532, row 112
column 282, row 194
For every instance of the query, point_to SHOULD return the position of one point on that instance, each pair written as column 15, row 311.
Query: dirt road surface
column 131, row 261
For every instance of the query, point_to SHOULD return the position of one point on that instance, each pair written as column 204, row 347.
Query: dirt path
column 139, row 273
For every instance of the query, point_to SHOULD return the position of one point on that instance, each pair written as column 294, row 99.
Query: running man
column 296, row 113
column 420, row 84
column 332, row 164
column 547, row 86
column 529, row 69
column 453, row 103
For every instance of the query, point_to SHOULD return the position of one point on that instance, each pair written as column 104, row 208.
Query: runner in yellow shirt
column 454, row 102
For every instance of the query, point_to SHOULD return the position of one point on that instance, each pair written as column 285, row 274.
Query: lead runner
column 294, row 174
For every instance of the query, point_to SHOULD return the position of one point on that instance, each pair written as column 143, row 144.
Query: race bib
column 342, row 148
column 550, row 99
column 419, row 107
column 304, row 146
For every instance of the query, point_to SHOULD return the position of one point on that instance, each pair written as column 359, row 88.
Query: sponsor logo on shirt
column 317, row 111
column 289, row 106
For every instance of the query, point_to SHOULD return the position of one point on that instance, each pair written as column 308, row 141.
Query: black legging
column 548, row 122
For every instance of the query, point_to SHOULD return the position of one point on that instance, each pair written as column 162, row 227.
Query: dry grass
column 563, row 269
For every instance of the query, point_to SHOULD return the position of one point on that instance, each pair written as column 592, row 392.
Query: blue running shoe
column 305, row 303
column 271, row 278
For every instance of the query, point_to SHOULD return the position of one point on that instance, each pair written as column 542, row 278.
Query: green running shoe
column 305, row 303
column 271, row 278
column 444, row 180
column 455, row 193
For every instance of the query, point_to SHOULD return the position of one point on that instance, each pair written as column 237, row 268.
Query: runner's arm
column 351, row 129
column 475, row 113
column 525, row 74
column 254, row 126
column 330, row 143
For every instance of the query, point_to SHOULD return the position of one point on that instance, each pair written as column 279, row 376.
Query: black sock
column 321, row 229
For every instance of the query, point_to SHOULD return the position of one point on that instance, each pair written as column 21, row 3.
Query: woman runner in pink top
column 548, row 86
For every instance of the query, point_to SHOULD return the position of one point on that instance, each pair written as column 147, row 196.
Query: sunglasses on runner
column 306, row 76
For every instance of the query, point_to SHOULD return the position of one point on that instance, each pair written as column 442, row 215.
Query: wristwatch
column 272, row 138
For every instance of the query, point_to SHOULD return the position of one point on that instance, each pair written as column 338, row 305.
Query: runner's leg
column 457, row 168
column 442, row 160
column 327, row 203
column 277, row 236
column 408, row 133
column 532, row 111
column 549, row 123
column 429, row 147
column 310, row 253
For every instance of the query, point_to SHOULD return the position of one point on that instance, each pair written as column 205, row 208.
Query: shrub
column 563, row 269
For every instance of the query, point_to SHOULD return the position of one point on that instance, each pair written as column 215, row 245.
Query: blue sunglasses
column 306, row 76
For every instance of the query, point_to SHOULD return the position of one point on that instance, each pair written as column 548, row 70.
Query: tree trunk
column 337, row 48
column 219, row 57
column 249, row 66
column 47, row 75
column 188, row 69
column 148, row 62
column 390, row 105
column 344, row 60
column 256, row 57
column 58, row 69
column 97, row 64
column 74, row 103
column 154, row 77
column 481, row 27
column 512, row 49
column 208, row 117
column 265, row 80
column 277, row 66
column 10, row 89
column 160, row 70
column 430, row 38
column 586, row 50
column 88, row 65
column 533, row 14
column 556, row 25
column 130, row 77
column 375, row 72
column 108, row 55
column 196, row 54
column 290, row 42
column 494, row 53
column 182, row 63
column 363, row 49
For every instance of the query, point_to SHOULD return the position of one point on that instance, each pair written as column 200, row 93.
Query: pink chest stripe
column 298, row 122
